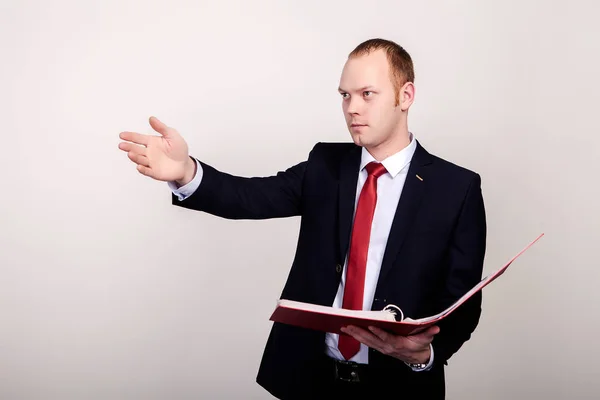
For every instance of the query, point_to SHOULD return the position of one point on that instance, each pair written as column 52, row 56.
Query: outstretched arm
column 165, row 157
column 236, row 197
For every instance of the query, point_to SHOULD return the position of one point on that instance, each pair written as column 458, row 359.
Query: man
column 383, row 222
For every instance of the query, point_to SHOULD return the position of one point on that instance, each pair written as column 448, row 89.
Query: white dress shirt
column 389, row 189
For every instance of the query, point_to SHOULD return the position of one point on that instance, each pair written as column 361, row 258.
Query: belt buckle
column 352, row 367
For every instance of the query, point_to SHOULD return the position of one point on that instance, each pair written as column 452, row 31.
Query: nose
column 353, row 106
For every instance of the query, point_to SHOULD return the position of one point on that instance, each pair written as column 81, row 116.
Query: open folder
column 330, row 319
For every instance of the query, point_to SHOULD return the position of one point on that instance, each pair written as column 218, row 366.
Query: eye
column 344, row 95
column 366, row 93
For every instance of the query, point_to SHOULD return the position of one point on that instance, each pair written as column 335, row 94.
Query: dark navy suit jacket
column 434, row 254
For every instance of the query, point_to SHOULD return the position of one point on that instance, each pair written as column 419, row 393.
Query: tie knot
column 375, row 169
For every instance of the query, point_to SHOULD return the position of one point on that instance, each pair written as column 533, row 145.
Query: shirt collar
column 394, row 163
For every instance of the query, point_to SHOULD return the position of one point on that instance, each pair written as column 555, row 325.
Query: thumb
column 160, row 127
column 432, row 331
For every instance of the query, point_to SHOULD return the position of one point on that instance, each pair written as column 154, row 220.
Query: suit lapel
column 408, row 205
column 349, row 170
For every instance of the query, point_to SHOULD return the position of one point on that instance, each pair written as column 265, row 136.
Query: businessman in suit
column 383, row 221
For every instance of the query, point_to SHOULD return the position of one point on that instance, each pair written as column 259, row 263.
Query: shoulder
column 333, row 148
column 327, row 160
column 447, row 172
column 332, row 154
column 452, row 169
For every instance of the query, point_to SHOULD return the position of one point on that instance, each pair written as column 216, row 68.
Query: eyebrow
column 360, row 90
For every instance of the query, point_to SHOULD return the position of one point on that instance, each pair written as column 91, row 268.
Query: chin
column 357, row 138
column 361, row 140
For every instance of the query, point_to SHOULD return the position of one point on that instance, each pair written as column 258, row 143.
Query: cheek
column 345, row 110
column 383, row 118
column 376, row 117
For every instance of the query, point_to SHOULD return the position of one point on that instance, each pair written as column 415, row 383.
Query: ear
column 406, row 96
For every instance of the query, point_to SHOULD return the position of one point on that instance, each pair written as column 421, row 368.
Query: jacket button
column 338, row 268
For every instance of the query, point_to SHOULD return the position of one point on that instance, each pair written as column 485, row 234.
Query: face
column 369, row 101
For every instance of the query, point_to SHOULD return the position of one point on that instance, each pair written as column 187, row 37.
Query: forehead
column 365, row 70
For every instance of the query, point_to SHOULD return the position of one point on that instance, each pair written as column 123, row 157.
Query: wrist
column 423, row 361
column 422, row 357
column 189, row 172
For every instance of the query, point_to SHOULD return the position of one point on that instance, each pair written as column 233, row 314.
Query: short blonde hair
column 401, row 64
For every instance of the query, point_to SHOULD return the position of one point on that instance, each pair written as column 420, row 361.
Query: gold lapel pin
column 421, row 179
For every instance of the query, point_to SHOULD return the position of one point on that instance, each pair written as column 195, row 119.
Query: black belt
column 348, row 371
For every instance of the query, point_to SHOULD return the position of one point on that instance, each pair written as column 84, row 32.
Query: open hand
column 411, row 349
column 163, row 157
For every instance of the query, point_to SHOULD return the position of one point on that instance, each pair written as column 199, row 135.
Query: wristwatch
column 421, row 367
column 417, row 366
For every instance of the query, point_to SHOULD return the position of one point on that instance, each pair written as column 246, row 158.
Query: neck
column 395, row 143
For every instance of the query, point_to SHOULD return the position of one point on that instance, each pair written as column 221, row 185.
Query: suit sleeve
column 235, row 197
column 465, row 260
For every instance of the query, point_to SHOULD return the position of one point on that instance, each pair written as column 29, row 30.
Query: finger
column 423, row 338
column 381, row 334
column 131, row 147
column 144, row 170
column 139, row 159
column 159, row 126
column 135, row 137
column 365, row 337
column 430, row 333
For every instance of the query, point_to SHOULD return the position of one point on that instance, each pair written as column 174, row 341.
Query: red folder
column 330, row 319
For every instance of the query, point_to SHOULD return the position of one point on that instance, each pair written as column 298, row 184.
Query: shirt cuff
column 429, row 364
column 187, row 190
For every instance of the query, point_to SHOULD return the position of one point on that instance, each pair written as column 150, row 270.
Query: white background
column 107, row 291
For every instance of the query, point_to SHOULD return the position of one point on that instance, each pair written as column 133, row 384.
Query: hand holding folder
column 391, row 318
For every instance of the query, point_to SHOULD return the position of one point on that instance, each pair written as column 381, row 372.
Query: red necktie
column 357, row 258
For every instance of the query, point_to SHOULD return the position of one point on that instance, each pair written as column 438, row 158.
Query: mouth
column 357, row 125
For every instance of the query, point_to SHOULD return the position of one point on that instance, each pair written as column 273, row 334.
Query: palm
column 161, row 157
column 167, row 157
